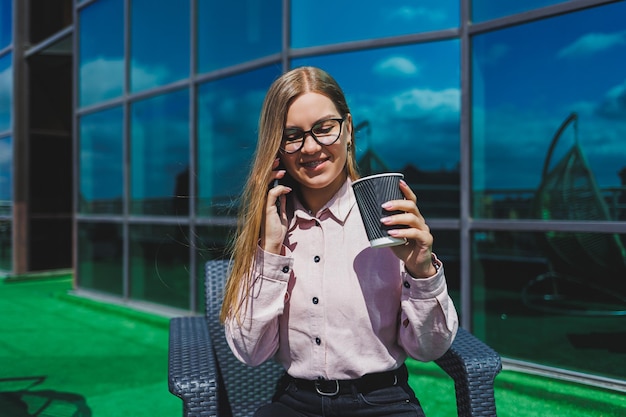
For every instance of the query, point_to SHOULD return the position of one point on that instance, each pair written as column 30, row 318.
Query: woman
column 306, row 288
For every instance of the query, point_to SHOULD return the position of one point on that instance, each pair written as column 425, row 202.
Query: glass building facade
column 127, row 128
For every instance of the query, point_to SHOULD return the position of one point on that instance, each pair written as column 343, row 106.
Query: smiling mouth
column 313, row 164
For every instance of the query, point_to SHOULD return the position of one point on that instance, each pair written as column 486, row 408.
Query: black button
column 406, row 284
column 316, row 259
column 318, row 341
column 285, row 269
column 315, row 300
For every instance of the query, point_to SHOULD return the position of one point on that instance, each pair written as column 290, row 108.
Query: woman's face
column 317, row 166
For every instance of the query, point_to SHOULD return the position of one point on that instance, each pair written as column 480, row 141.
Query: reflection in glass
column 159, row 43
column 549, row 118
column 6, row 176
column 252, row 27
column 6, row 23
column 99, row 265
column 228, row 114
column 525, row 285
column 212, row 243
column 6, row 245
column 6, row 92
column 101, row 52
column 323, row 22
column 160, row 155
column 159, row 264
column 405, row 104
column 491, row 9
column 101, row 162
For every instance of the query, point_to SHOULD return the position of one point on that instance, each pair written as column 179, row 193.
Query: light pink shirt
column 334, row 307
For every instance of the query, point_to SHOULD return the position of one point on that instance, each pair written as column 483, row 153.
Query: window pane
column 212, row 243
column 252, row 27
column 100, row 258
column 6, row 245
column 323, row 22
column 551, row 94
column 101, row 52
column 491, row 9
column 405, row 103
column 160, row 155
column 101, row 162
column 6, row 23
column 6, row 92
column 159, row 265
column 6, row 176
column 159, row 43
column 548, row 286
column 228, row 113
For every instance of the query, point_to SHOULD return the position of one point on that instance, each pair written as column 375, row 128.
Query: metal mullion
column 193, row 116
column 126, row 158
column 536, row 14
column 466, row 169
column 286, row 35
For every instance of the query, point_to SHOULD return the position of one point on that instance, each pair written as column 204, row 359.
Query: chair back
column 247, row 387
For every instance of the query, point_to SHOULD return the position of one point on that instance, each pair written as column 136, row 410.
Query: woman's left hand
column 417, row 252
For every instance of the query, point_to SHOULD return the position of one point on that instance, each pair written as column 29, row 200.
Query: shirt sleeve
column 255, row 337
column 429, row 321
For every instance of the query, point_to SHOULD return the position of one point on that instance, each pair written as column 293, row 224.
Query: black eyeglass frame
column 310, row 131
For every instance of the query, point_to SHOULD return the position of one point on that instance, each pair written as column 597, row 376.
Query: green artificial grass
column 62, row 355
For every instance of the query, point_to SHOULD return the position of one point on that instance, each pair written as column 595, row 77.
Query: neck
column 315, row 198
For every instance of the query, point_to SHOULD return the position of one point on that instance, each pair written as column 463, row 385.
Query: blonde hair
column 272, row 120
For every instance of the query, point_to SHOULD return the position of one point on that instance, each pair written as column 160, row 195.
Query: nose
column 310, row 146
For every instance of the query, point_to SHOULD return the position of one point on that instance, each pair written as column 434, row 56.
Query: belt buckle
column 326, row 393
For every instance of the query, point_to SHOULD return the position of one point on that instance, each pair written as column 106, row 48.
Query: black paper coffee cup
column 371, row 193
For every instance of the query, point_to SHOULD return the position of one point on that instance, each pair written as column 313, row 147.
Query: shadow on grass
column 25, row 402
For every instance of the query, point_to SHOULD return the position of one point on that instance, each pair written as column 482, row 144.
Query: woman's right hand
column 275, row 220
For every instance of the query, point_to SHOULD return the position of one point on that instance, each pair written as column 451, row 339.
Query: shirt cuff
column 421, row 288
column 271, row 266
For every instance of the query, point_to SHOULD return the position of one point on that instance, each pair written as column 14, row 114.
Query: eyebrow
column 321, row 119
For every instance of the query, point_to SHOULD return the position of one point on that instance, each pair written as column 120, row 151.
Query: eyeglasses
column 325, row 132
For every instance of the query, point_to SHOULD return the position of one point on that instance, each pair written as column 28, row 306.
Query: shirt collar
column 338, row 207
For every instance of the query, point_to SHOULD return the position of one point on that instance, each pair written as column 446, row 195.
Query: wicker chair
column 212, row 382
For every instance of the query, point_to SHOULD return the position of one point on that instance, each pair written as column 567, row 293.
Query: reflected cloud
column 613, row 105
column 494, row 54
column 397, row 66
column 101, row 79
column 410, row 14
column 416, row 103
column 592, row 43
column 6, row 88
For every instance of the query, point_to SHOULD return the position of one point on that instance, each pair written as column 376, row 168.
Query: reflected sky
column 159, row 38
column 6, row 92
column 6, row 169
column 491, row 9
column 101, row 51
column 525, row 87
column 159, row 148
column 228, row 116
column 253, row 29
column 6, row 23
column 322, row 22
column 409, row 95
column 101, row 156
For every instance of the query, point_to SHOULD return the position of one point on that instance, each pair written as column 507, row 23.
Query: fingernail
column 403, row 182
column 385, row 220
column 386, row 205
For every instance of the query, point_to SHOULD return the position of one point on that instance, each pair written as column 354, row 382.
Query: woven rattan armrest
column 192, row 372
column 473, row 366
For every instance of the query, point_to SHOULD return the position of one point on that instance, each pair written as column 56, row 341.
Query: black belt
column 366, row 383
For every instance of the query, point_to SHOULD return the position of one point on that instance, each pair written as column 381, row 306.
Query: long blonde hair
column 277, row 101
